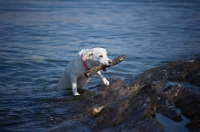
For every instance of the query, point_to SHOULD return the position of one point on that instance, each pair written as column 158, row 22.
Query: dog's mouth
column 105, row 68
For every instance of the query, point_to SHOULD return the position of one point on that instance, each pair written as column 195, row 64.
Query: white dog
column 73, row 75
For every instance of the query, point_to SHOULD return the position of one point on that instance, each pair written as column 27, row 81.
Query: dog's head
column 97, row 56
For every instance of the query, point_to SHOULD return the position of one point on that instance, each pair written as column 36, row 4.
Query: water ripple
column 39, row 38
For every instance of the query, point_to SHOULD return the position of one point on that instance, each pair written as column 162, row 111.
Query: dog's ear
column 87, row 56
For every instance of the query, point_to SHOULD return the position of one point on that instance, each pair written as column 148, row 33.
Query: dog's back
column 65, row 82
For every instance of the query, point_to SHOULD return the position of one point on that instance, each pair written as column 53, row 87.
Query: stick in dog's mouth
column 103, row 67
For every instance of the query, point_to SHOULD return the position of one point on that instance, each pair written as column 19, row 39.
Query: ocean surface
column 38, row 38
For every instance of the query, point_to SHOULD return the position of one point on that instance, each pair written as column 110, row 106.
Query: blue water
column 38, row 38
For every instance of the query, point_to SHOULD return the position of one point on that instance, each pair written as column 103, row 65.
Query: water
column 172, row 126
column 38, row 39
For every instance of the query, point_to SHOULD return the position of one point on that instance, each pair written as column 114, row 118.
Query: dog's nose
column 110, row 62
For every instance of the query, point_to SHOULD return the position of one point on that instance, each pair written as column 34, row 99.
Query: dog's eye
column 101, row 56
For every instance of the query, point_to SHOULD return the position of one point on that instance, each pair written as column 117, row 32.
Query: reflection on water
column 38, row 39
column 172, row 126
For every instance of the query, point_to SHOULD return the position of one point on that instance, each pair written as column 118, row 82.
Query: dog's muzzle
column 106, row 67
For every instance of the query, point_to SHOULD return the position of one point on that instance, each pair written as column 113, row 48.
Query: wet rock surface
column 131, row 105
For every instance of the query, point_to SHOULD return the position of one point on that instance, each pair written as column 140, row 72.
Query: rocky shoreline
column 132, row 105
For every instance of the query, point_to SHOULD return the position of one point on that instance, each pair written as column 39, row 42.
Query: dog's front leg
column 74, row 84
column 104, row 80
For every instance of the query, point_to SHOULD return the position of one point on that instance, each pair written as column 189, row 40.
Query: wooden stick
column 101, row 66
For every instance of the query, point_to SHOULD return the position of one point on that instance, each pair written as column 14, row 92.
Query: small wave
column 37, row 58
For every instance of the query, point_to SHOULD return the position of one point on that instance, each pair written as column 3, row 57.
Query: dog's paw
column 76, row 94
column 105, row 81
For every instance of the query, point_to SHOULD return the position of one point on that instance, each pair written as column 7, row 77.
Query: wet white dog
column 73, row 75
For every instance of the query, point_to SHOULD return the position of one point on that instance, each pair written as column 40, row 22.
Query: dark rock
column 194, row 75
column 188, row 102
column 176, row 71
column 131, row 105
column 133, row 109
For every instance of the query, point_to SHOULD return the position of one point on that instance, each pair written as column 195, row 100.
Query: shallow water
column 172, row 126
column 38, row 39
